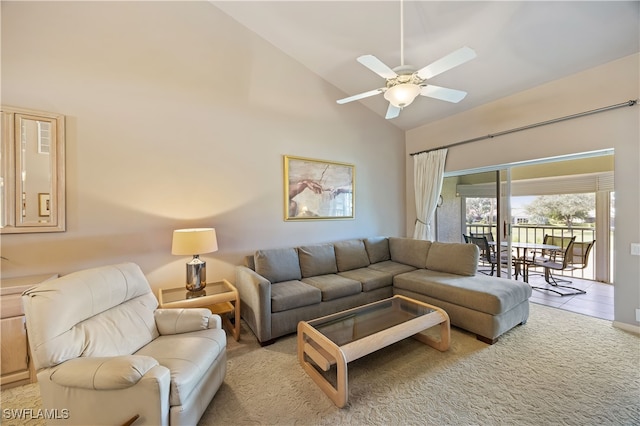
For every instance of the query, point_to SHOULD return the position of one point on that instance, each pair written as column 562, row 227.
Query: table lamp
column 195, row 241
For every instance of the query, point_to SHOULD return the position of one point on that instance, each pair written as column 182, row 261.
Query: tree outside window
column 563, row 210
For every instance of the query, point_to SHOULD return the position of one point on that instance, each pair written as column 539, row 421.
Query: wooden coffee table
column 346, row 336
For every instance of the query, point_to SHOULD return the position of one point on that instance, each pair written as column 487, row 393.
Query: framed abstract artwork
column 318, row 189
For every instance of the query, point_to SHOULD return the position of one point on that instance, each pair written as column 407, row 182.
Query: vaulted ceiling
column 519, row 44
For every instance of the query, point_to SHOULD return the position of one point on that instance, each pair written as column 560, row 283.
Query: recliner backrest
column 103, row 311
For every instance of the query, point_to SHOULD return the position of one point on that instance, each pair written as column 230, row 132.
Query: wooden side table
column 16, row 367
column 220, row 298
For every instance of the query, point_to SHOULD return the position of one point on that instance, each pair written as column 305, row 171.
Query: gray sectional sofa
column 280, row 287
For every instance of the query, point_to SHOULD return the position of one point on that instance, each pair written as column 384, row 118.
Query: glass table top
column 181, row 293
column 354, row 324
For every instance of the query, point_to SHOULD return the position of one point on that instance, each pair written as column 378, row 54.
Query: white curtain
column 428, row 171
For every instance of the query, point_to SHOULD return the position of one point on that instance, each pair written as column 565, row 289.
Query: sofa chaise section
column 485, row 305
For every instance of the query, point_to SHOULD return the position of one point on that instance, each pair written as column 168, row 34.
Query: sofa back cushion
column 250, row 262
column 104, row 311
column 278, row 265
column 454, row 258
column 409, row 251
column 318, row 259
column 351, row 254
column 377, row 249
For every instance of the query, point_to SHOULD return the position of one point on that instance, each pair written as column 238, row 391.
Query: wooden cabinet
column 15, row 366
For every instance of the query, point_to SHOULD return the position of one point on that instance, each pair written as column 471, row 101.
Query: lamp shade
column 402, row 95
column 194, row 241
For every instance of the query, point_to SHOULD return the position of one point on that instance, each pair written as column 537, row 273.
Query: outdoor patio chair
column 580, row 255
column 575, row 256
column 552, row 255
column 487, row 253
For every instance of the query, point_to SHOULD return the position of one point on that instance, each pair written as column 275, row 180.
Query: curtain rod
column 631, row 102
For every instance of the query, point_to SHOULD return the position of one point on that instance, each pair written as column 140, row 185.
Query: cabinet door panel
column 14, row 345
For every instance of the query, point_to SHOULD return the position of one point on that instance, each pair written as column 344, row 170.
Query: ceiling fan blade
column 442, row 93
column 360, row 96
column 377, row 66
column 392, row 112
column 452, row 60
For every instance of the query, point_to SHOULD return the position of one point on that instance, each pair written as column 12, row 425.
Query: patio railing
column 535, row 234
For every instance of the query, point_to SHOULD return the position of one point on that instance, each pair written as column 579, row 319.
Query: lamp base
column 196, row 274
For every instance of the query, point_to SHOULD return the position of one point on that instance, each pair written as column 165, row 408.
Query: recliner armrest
column 181, row 320
column 102, row 373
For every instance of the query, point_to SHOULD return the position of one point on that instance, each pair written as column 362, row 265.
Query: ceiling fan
column 404, row 83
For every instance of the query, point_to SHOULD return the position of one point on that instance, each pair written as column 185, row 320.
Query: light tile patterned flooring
column 598, row 302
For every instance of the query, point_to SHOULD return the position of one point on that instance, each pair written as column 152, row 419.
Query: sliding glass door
column 482, row 201
column 521, row 203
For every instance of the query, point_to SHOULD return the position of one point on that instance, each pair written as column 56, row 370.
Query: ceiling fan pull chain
column 401, row 33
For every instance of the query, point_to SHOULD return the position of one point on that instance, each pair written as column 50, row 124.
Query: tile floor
column 598, row 302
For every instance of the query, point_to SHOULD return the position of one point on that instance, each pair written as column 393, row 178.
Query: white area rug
column 559, row 368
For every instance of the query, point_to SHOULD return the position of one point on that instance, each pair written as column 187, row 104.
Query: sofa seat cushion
column 293, row 294
column 369, row 278
column 491, row 295
column 351, row 254
column 188, row 356
column 334, row 286
column 391, row 267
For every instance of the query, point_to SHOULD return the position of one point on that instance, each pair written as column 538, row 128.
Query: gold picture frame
column 318, row 189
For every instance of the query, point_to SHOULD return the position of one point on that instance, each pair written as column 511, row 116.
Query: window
column 44, row 137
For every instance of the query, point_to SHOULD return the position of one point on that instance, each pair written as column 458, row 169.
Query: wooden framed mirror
column 32, row 175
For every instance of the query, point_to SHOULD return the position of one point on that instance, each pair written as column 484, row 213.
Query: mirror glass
column 34, row 171
column 32, row 185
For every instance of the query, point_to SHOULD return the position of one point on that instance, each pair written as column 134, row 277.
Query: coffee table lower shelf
column 360, row 331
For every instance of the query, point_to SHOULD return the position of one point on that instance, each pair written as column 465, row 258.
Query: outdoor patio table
column 522, row 249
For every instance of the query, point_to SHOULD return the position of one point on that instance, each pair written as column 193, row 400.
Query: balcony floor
column 598, row 302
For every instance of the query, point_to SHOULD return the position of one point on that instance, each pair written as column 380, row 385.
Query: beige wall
column 178, row 117
column 598, row 87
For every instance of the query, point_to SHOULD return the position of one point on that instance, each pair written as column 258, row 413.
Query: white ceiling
column 519, row 45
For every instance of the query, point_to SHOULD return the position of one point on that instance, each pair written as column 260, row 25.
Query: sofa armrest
column 102, row 373
column 185, row 320
column 255, row 296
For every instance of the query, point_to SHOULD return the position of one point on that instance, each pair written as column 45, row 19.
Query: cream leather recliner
column 104, row 354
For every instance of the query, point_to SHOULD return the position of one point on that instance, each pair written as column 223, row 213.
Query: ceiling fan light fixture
column 402, row 95
column 404, row 83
